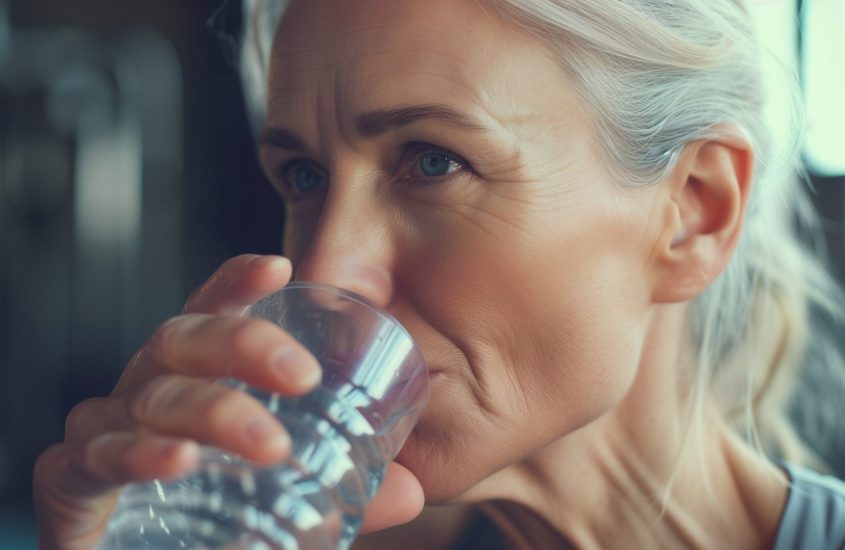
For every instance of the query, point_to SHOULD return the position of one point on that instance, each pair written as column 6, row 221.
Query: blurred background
column 128, row 174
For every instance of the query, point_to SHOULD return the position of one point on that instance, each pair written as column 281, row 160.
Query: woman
column 574, row 207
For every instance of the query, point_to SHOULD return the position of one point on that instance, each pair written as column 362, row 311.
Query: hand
column 148, row 427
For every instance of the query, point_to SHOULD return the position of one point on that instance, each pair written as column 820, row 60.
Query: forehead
column 341, row 31
column 382, row 52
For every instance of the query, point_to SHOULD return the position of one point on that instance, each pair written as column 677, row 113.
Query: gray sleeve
column 814, row 517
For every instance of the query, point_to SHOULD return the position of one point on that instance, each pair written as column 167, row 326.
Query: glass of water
column 344, row 432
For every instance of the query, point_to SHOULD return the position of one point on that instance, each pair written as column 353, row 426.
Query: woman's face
column 437, row 160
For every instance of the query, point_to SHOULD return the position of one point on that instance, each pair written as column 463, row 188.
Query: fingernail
column 269, row 261
column 296, row 367
column 265, row 433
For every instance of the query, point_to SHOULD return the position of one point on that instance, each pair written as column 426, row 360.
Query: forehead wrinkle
column 382, row 120
column 472, row 95
column 332, row 38
column 348, row 63
column 374, row 36
column 324, row 113
column 341, row 103
column 505, row 119
column 314, row 68
column 426, row 35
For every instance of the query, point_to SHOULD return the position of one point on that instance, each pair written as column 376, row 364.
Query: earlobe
column 706, row 197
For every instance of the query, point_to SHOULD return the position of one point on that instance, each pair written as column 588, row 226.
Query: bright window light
column 824, row 85
column 823, row 74
column 776, row 23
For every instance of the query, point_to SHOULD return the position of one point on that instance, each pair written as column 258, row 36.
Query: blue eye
column 303, row 177
column 433, row 163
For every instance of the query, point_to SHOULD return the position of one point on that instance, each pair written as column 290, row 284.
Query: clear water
column 314, row 500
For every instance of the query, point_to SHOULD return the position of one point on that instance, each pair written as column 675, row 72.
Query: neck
column 605, row 485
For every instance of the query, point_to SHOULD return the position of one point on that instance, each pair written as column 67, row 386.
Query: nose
column 350, row 248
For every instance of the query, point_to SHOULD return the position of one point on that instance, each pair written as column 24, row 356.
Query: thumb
column 399, row 500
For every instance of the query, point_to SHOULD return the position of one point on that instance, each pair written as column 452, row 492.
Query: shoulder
column 814, row 516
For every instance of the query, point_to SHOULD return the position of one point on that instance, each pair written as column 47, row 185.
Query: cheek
column 565, row 300
column 553, row 327
column 559, row 327
column 577, row 345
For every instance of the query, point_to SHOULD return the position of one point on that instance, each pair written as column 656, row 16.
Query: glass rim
column 361, row 300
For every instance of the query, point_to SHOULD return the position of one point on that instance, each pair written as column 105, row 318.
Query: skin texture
column 503, row 272
column 550, row 303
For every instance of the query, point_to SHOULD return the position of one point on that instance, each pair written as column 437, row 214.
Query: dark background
column 73, row 308
column 71, row 311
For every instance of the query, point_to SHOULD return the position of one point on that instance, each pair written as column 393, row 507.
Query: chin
column 444, row 475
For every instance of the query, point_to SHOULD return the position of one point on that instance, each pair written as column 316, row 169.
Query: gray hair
column 659, row 74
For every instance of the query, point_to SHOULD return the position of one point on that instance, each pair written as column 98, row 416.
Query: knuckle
column 227, row 271
column 79, row 416
column 245, row 335
column 195, row 297
column 219, row 406
column 220, row 279
column 223, row 277
column 162, row 341
column 57, row 479
column 153, row 397
column 238, row 262
column 47, row 465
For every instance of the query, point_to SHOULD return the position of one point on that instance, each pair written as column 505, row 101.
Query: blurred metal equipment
column 91, row 213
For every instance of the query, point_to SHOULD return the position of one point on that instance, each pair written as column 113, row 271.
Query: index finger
column 238, row 283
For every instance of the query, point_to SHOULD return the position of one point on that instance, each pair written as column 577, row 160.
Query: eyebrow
column 280, row 138
column 377, row 122
column 380, row 121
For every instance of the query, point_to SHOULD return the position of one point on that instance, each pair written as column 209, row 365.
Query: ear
column 706, row 197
